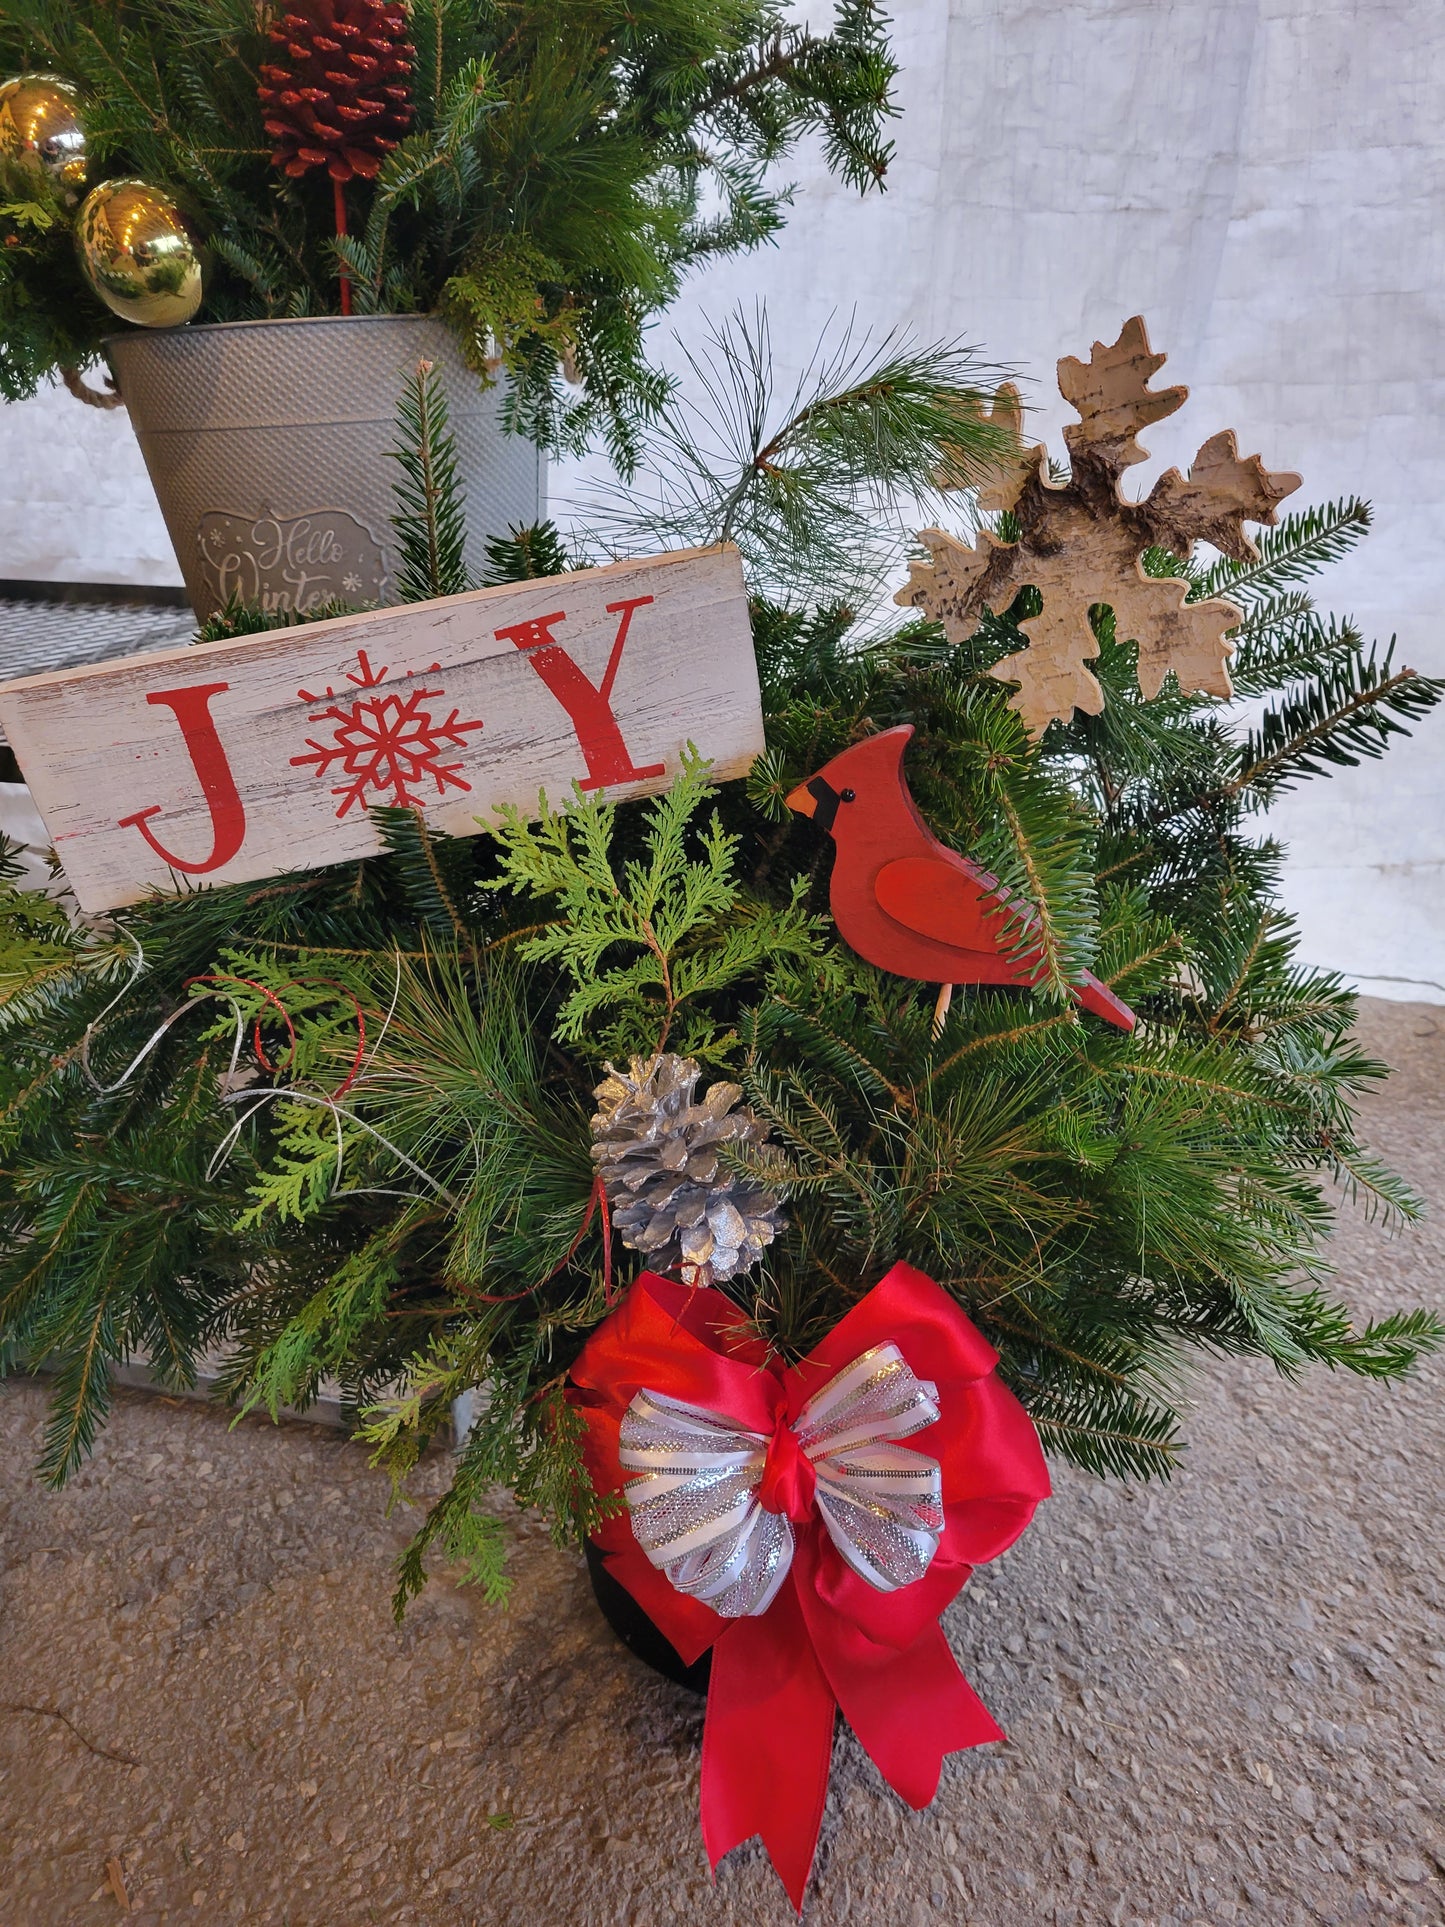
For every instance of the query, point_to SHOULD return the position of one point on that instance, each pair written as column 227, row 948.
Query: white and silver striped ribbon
column 695, row 1509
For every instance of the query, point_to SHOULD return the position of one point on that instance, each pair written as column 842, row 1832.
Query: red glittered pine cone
column 335, row 92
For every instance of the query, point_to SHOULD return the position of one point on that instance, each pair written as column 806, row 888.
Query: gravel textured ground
column 1224, row 1697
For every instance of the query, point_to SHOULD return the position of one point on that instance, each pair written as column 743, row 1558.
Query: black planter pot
column 638, row 1633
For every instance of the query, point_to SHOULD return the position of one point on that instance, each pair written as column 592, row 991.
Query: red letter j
column 228, row 814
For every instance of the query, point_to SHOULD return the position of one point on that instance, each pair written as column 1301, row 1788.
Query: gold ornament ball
column 139, row 254
column 41, row 132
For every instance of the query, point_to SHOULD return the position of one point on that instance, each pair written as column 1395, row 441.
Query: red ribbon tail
column 909, row 1708
column 767, row 1743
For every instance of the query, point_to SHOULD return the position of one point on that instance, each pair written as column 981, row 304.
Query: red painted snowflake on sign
column 386, row 744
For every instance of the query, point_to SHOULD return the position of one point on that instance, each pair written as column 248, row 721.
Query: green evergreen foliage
column 568, row 161
column 653, row 946
column 237, row 618
column 818, row 489
column 394, row 1186
column 430, row 517
column 526, row 555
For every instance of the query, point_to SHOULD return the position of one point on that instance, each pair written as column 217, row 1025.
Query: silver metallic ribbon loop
column 694, row 1504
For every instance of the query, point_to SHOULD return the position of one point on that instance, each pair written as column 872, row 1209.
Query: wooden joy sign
column 234, row 760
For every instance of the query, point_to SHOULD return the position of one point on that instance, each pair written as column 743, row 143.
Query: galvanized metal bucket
column 266, row 442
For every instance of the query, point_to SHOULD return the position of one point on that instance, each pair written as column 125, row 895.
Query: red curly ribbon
column 273, row 998
column 330, row 983
column 270, row 997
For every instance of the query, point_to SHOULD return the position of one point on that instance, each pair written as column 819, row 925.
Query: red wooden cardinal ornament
column 906, row 902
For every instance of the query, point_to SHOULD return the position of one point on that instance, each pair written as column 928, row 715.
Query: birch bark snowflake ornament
column 1080, row 543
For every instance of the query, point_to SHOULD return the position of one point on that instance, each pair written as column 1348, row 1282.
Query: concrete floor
column 1223, row 1697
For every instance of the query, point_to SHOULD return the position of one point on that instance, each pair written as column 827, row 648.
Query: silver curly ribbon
column 695, row 1506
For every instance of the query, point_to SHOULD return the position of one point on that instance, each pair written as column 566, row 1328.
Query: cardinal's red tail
column 1101, row 1000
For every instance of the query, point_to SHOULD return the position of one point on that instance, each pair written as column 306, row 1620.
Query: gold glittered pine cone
column 671, row 1196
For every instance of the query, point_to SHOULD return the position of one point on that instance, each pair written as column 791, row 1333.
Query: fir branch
column 1284, row 641
column 1324, row 1333
column 1038, row 847
column 526, row 555
column 1109, row 1433
column 1299, row 547
column 1347, row 713
column 784, row 1015
column 1370, row 1184
column 1003, row 1038
column 434, row 872
column 1390, row 1346
column 80, row 1397
column 430, row 518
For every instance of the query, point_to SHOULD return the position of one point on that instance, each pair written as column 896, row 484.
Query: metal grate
column 37, row 636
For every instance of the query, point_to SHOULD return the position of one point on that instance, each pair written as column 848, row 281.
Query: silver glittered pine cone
column 672, row 1198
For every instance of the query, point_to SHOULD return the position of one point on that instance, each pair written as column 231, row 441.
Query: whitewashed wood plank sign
column 236, row 760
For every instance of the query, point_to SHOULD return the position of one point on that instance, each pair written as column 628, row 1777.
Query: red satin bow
column 829, row 1639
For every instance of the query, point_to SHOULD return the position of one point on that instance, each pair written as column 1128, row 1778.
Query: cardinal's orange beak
column 802, row 800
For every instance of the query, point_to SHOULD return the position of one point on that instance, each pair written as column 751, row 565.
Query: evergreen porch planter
column 266, row 443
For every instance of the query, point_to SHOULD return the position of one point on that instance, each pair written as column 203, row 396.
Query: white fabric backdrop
column 1259, row 178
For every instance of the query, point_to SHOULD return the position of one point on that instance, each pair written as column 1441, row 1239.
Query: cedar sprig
column 655, row 943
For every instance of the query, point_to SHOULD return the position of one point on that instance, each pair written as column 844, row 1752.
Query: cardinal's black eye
column 847, row 796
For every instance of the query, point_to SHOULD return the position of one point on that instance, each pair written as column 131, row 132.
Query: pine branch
column 820, row 493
